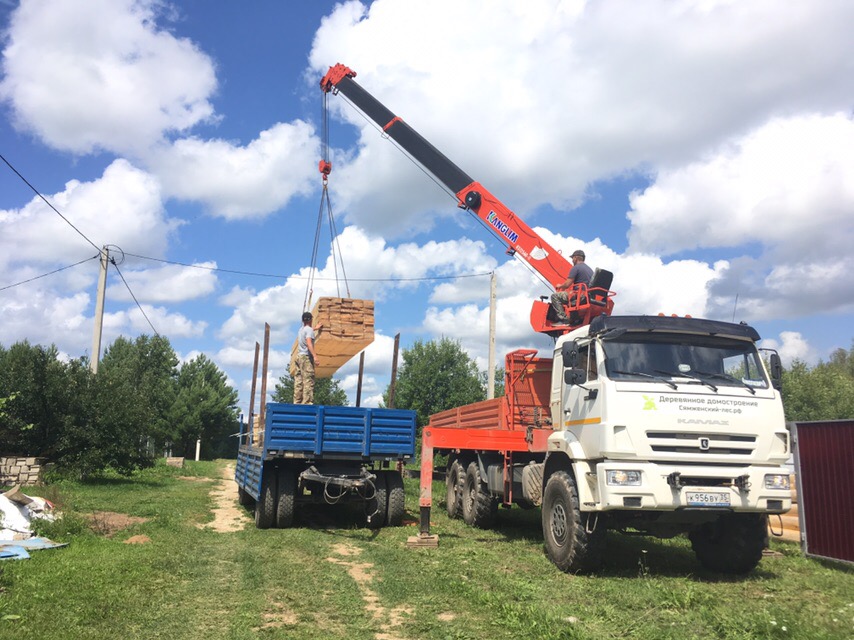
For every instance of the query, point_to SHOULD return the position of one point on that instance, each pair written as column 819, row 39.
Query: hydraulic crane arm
column 512, row 230
column 521, row 240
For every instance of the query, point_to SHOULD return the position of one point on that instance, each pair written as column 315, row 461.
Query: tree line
column 140, row 404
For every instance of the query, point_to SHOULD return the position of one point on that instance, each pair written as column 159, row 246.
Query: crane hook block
column 325, row 167
column 473, row 200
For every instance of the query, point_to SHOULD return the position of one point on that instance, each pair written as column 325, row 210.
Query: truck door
column 582, row 404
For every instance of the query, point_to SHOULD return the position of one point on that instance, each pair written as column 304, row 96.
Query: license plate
column 707, row 499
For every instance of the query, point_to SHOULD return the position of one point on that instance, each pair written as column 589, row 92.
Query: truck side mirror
column 575, row 376
column 776, row 371
column 569, row 352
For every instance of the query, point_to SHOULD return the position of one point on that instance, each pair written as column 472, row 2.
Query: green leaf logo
column 649, row 403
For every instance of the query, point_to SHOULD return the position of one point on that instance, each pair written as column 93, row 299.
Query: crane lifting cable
column 325, row 167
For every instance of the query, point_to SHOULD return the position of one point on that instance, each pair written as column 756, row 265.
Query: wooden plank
column 348, row 327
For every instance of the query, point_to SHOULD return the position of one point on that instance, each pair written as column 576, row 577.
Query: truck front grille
column 701, row 443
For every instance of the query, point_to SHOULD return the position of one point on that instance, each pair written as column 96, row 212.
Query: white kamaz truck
column 641, row 424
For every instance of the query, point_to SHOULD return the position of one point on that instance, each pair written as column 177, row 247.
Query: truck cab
column 667, row 424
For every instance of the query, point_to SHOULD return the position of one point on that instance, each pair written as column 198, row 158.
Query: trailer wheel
column 243, row 498
column 731, row 544
column 569, row 544
column 396, row 499
column 287, row 499
column 454, row 479
column 265, row 507
column 478, row 506
column 375, row 508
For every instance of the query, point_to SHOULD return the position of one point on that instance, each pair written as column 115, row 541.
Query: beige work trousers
column 304, row 380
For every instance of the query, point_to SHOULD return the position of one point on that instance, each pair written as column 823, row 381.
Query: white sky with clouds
column 701, row 150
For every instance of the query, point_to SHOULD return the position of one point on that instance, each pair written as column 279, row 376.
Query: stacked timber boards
column 348, row 327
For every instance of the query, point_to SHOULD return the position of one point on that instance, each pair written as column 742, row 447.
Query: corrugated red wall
column 825, row 459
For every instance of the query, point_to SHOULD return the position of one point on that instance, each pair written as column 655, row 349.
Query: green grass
column 189, row 582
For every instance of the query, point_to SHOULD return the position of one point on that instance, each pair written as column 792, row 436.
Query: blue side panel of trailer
column 315, row 430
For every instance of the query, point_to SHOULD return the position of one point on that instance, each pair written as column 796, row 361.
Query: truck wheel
column 243, row 498
column 375, row 508
column 454, row 496
column 265, row 506
column 568, row 543
column 478, row 507
column 287, row 499
column 731, row 544
column 396, row 499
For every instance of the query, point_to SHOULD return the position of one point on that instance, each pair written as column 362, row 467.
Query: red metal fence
column 825, row 472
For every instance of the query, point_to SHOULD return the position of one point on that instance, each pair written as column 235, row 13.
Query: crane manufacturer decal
column 502, row 227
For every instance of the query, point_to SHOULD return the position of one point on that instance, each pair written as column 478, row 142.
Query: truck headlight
column 776, row 480
column 622, row 478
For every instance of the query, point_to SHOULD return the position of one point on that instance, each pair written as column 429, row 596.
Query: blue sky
column 701, row 150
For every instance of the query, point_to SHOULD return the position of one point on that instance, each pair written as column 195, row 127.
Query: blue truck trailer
column 325, row 454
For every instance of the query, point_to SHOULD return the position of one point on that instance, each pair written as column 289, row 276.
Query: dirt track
column 228, row 516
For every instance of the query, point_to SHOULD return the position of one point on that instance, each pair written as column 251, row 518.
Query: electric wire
column 47, row 202
column 49, row 273
column 280, row 276
column 142, row 311
column 82, row 235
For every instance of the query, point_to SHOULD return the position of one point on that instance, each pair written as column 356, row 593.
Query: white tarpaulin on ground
column 18, row 510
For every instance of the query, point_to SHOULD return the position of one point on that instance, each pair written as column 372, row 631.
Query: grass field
column 328, row 578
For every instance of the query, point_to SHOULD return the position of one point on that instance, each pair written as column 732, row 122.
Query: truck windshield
column 702, row 360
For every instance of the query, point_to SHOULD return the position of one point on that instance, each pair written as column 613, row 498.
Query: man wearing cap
column 306, row 361
column 579, row 274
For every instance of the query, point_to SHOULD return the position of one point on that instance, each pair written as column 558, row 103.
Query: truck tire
column 243, row 498
column 265, row 506
column 454, row 479
column 396, row 499
column 287, row 499
column 568, row 543
column 732, row 544
column 375, row 508
column 478, row 506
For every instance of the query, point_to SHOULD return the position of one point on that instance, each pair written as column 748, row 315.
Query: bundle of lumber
column 348, row 327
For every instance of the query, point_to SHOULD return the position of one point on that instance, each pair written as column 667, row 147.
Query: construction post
column 262, row 413
column 361, row 373
column 99, row 311
column 393, row 372
column 251, row 438
column 490, row 371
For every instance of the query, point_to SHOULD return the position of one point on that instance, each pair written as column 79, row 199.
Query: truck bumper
column 665, row 487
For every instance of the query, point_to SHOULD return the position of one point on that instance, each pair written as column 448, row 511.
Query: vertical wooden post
column 393, row 372
column 251, row 427
column 359, row 385
column 263, row 399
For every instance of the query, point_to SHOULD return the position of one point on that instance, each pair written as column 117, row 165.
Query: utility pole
column 99, row 311
column 490, row 374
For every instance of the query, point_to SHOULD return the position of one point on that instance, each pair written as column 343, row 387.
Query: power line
column 47, row 202
column 284, row 277
column 113, row 262
column 9, row 286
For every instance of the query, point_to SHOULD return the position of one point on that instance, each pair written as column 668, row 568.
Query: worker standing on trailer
column 306, row 362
